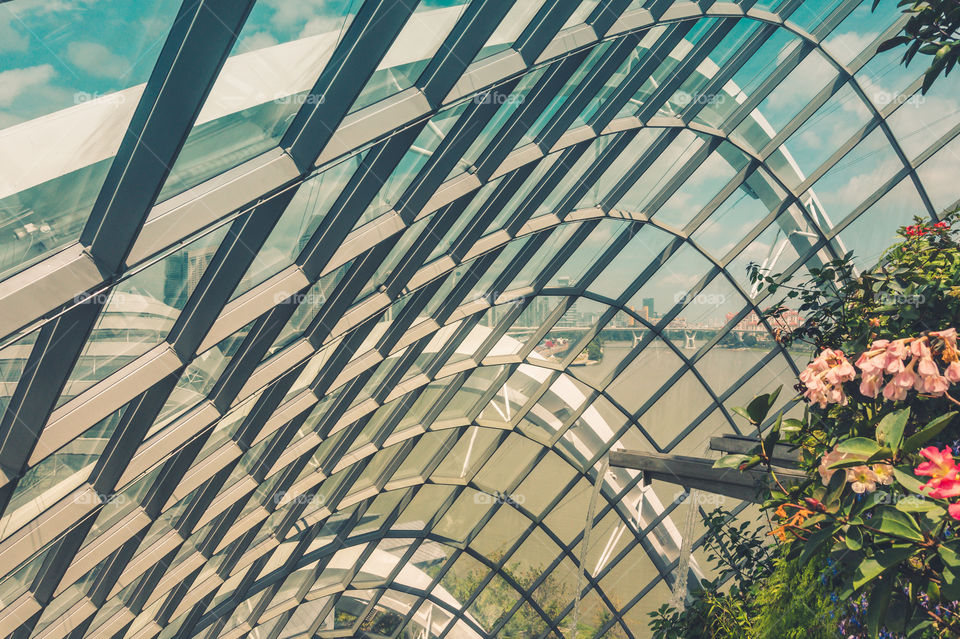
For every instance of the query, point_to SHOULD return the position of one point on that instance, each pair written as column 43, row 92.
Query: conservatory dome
column 320, row 318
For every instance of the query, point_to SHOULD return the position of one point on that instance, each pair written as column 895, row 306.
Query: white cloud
column 11, row 39
column 321, row 24
column 97, row 60
column 255, row 41
column 294, row 14
column 846, row 46
column 15, row 82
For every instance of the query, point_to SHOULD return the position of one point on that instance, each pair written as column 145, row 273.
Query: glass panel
column 72, row 75
column 649, row 371
column 673, row 158
column 512, row 25
column 923, row 119
column 784, row 102
column 509, row 102
column 57, row 475
column 309, row 304
column 852, row 179
column 276, row 60
column 666, row 67
column 738, row 215
column 691, row 94
column 13, row 359
column 876, row 228
column 589, row 251
column 884, row 78
column 556, row 104
column 699, row 189
column 412, row 50
column 298, row 222
column 140, row 312
column 619, row 168
column 938, row 176
column 412, row 162
column 595, row 363
column 199, row 378
column 859, row 29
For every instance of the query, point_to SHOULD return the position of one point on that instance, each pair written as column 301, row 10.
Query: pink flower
column 935, row 385
column 949, row 335
column 898, row 349
column 823, row 378
column 870, row 384
column 872, row 361
column 942, row 488
column 824, row 469
column 884, row 473
column 862, row 479
column 940, row 464
column 894, row 393
column 953, row 372
column 892, row 364
column 954, row 510
column 904, row 379
column 927, row 366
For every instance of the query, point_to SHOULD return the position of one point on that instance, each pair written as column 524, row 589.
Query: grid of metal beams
column 312, row 364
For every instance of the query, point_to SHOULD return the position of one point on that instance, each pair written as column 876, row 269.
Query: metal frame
column 174, row 532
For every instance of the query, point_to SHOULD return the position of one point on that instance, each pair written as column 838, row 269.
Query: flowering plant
column 878, row 436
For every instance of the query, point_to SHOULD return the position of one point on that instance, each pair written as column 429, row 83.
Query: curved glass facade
column 319, row 318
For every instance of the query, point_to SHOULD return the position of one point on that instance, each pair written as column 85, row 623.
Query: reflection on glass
column 199, row 378
column 13, row 359
column 299, row 221
column 412, row 50
column 140, row 312
column 72, row 75
column 57, row 475
column 277, row 58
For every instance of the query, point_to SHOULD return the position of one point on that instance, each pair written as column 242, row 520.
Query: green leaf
column 915, row 441
column 890, row 429
column 742, row 412
column 774, row 436
column 951, row 583
column 813, row 544
column 870, row 569
column 904, row 475
column 950, row 556
column 854, row 538
column 881, row 455
column 860, row 446
column 730, row 461
column 912, row 504
column 758, row 408
column 877, row 606
column 791, row 425
column 897, row 523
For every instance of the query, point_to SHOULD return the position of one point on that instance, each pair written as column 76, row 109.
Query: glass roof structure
column 317, row 318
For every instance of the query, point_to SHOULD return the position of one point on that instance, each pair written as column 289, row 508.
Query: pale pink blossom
column 904, row 379
column 862, row 479
column 935, row 385
column 884, row 473
column 894, row 393
column 927, row 366
column 953, row 372
column 824, row 469
column 949, row 335
column 870, row 384
column 954, row 510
